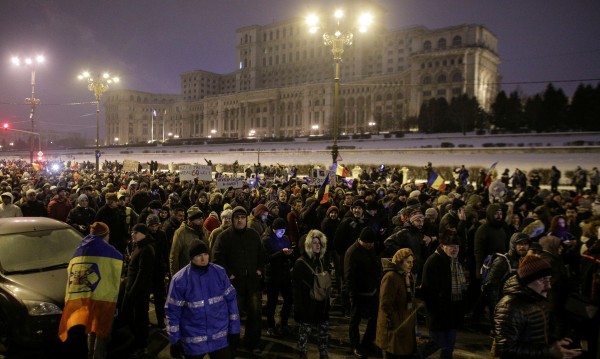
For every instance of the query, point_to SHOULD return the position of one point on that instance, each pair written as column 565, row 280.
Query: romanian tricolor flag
column 94, row 275
column 341, row 171
column 436, row 182
column 323, row 194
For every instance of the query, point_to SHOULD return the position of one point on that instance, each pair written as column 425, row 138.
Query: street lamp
column 337, row 37
column 32, row 63
column 98, row 85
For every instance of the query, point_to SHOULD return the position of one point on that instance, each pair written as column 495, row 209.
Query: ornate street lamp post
column 337, row 38
column 34, row 102
column 98, row 85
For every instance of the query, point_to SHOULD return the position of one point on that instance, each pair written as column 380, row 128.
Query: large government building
column 284, row 85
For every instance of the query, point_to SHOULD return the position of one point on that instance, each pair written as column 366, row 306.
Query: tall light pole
column 98, row 85
column 337, row 37
column 34, row 102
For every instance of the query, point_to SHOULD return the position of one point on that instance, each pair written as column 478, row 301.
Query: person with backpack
column 498, row 267
column 309, row 311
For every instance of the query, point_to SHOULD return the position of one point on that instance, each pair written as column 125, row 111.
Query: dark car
column 34, row 255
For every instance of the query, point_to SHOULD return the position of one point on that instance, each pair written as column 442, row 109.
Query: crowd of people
column 517, row 260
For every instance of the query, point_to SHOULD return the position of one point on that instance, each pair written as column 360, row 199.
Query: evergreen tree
column 554, row 109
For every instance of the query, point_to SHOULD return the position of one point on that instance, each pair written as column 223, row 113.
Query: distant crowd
column 503, row 256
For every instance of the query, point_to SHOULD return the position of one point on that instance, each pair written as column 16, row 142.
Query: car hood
column 46, row 286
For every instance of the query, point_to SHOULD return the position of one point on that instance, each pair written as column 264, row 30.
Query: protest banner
column 189, row 172
column 225, row 182
column 130, row 165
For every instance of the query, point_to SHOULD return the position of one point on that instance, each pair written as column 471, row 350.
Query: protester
column 522, row 326
column 198, row 324
column 309, row 312
column 396, row 319
column 91, row 297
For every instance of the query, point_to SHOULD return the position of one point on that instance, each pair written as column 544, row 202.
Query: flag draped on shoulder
column 323, row 194
column 436, row 182
column 94, row 275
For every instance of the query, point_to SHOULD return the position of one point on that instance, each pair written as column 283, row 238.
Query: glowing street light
column 337, row 36
column 34, row 102
column 98, row 85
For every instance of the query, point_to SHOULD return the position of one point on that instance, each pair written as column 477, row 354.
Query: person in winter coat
column 396, row 318
column 279, row 253
column 239, row 250
column 82, row 216
column 161, row 267
column 561, row 287
column 308, row 311
column 346, row 233
column 502, row 268
column 59, row 206
column 362, row 273
column 411, row 236
column 115, row 220
column 32, row 207
column 138, row 284
column 522, row 325
column 202, row 313
column 188, row 232
column 491, row 237
column 444, row 291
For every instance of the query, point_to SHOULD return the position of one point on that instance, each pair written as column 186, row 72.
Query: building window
column 457, row 41
column 441, row 44
column 441, row 79
column 427, row 46
column 426, row 80
column 456, row 77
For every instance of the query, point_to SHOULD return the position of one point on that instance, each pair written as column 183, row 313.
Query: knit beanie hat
column 211, row 223
column 360, row 204
column 99, row 229
column 270, row 205
column 457, row 204
column 197, row 248
column 152, row 219
column 260, row 209
column 367, row 235
column 431, row 213
column 278, row 223
column 531, row 268
column 141, row 228
column 331, row 209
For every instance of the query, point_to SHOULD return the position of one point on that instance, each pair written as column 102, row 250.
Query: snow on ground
column 522, row 151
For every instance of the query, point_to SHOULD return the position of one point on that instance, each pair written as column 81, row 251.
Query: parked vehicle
column 34, row 255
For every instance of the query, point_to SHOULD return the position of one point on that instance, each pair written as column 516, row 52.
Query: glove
column 233, row 340
column 176, row 350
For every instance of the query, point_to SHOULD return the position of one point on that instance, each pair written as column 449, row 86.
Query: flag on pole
column 492, row 167
column 436, row 182
column 341, row 171
column 323, row 194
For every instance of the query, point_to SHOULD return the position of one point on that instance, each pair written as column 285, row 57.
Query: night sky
column 149, row 43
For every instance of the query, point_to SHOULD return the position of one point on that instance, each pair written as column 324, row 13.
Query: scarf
column 459, row 283
column 409, row 283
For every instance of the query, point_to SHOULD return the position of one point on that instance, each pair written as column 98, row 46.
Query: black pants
column 363, row 307
column 273, row 290
column 160, row 297
column 251, row 304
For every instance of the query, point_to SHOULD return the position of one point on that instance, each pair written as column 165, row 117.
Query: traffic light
column 5, row 126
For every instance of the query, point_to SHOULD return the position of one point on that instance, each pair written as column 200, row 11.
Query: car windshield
column 37, row 250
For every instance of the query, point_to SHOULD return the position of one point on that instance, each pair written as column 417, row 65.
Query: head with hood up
column 315, row 244
column 551, row 244
column 519, row 244
column 494, row 215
